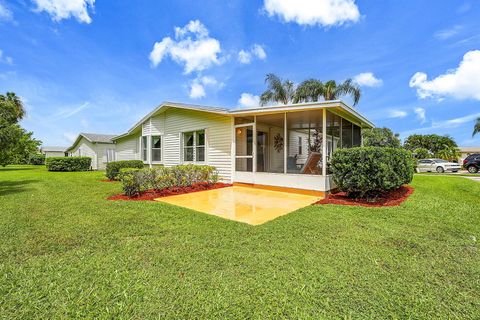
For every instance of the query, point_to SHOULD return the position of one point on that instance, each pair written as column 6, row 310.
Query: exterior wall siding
column 128, row 148
column 85, row 148
column 100, row 149
column 49, row 154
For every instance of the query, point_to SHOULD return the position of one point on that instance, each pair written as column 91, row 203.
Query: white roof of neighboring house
column 267, row 109
column 469, row 149
column 94, row 138
column 53, row 149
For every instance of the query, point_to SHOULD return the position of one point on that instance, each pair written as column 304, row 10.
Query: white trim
column 324, row 142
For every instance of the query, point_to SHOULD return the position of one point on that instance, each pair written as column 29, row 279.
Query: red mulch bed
column 390, row 199
column 150, row 195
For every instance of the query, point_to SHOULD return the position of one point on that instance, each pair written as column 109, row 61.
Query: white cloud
column 198, row 85
column 248, row 100
column 192, row 48
column 448, row 33
column 5, row 59
column 257, row 51
column 65, row 9
column 460, row 83
column 313, row 12
column 445, row 124
column 420, row 112
column 67, row 113
column 5, row 13
column 397, row 114
column 367, row 79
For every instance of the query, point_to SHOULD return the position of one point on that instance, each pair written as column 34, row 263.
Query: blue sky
column 99, row 66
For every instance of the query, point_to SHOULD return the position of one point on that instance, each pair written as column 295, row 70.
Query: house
column 53, row 151
column 466, row 151
column 287, row 146
column 99, row 147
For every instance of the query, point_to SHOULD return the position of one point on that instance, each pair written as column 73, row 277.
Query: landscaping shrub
column 36, row 159
column 366, row 172
column 68, row 163
column 135, row 181
column 113, row 168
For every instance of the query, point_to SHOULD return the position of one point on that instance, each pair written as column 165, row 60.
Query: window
column 194, row 146
column 300, row 146
column 156, row 148
column 144, row 148
column 109, row 155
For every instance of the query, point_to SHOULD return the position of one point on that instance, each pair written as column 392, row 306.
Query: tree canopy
column 439, row 146
column 380, row 137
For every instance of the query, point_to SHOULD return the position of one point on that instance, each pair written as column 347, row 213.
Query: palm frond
column 476, row 127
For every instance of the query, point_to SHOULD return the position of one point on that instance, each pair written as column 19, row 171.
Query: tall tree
column 310, row 90
column 380, row 137
column 333, row 90
column 11, row 109
column 476, row 127
column 278, row 90
column 439, row 146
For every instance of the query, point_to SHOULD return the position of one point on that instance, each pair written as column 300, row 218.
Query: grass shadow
column 11, row 187
column 14, row 169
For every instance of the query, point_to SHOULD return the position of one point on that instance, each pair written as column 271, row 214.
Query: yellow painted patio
column 243, row 204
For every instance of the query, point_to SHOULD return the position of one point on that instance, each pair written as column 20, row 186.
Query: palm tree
column 476, row 127
column 11, row 108
column 278, row 90
column 309, row 91
column 333, row 91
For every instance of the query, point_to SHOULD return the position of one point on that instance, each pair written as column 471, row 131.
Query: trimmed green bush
column 367, row 172
column 68, row 163
column 113, row 168
column 135, row 181
column 36, row 159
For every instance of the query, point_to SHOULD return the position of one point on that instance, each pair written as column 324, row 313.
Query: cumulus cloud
column 397, row 113
column 421, row 114
column 257, row 51
column 367, row 79
column 314, row 12
column 192, row 47
column 248, row 100
column 65, row 9
column 448, row 33
column 199, row 84
column 5, row 59
column 5, row 13
column 460, row 83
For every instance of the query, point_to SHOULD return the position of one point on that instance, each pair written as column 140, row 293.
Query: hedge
column 68, row 163
column 113, row 168
column 366, row 172
column 36, row 159
column 135, row 181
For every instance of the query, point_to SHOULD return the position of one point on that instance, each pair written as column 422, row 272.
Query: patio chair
column 311, row 165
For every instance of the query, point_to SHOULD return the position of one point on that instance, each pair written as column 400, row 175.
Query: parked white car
column 437, row 165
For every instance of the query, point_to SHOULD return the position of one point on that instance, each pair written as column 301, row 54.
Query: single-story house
column 99, row 147
column 466, row 151
column 287, row 146
column 49, row 151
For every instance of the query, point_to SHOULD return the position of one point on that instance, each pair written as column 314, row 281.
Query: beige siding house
column 99, row 147
column 53, row 151
column 285, row 146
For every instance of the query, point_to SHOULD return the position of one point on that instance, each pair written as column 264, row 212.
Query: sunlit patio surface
column 243, row 204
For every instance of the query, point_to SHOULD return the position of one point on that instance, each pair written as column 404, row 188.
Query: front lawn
column 67, row 252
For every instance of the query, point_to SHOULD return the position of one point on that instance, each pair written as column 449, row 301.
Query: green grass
column 66, row 252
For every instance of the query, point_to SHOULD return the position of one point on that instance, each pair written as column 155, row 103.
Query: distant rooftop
column 98, row 137
column 53, row 148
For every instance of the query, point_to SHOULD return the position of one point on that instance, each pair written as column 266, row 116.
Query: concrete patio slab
column 243, row 204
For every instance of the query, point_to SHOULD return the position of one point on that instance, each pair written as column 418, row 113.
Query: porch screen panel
column 357, row 136
column 244, row 148
column 347, row 134
column 271, row 142
column 304, row 142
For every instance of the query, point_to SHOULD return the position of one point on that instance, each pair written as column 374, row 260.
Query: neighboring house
column 99, row 147
column 466, row 151
column 249, row 145
column 53, row 151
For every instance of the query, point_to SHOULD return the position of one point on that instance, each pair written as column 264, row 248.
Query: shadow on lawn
column 10, row 187
column 14, row 169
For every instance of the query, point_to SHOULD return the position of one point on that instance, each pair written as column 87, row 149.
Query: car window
column 440, row 161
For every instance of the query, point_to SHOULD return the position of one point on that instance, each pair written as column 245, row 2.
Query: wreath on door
column 278, row 142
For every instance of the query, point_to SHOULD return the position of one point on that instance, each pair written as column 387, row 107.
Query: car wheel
column 440, row 170
column 454, row 171
column 472, row 169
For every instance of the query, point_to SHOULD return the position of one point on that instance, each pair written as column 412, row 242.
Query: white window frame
column 144, row 147
column 194, row 147
column 152, row 148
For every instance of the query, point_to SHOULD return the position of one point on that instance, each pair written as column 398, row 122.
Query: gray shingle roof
column 53, row 148
column 97, row 137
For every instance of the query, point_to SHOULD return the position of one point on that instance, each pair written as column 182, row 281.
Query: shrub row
column 135, row 181
column 68, row 163
column 366, row 172
column 36, row 159
column 113, row 168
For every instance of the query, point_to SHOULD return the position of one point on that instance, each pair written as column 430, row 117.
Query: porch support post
column 324, row 142
column 254, row 151
column 285, row 143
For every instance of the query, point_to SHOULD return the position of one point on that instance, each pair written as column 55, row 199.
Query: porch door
column 244, row 148
column 262, row 152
